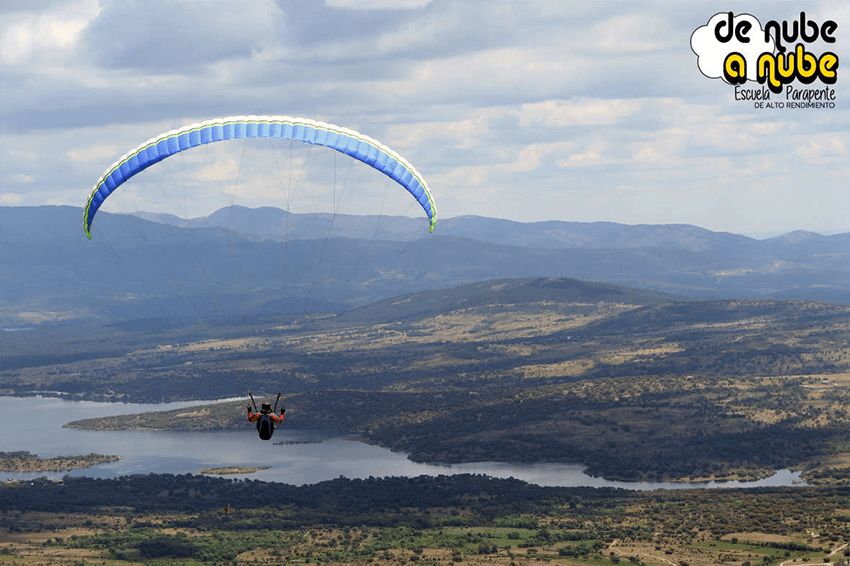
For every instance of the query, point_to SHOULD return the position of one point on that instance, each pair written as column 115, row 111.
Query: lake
column 35, row 424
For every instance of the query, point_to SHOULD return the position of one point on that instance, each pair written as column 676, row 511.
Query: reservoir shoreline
column 296, row 457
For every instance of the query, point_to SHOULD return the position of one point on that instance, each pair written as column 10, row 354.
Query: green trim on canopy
column 349, row 142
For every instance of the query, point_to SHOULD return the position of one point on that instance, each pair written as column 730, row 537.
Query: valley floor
column 182, row 520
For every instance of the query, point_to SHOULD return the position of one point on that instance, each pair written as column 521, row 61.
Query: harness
column 265, row 426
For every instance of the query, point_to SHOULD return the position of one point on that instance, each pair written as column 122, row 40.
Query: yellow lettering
column 767, row 72
column 735, row 69
column 826, row 66
column 807, row 64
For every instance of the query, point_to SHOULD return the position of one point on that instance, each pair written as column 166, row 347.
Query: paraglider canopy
column 355, row 144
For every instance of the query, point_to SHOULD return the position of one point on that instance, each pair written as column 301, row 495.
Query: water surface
column 35, row 424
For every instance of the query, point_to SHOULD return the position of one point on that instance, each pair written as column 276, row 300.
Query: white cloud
column 462, row 134
column 378, row 4
column 221, row 169
column 760, row 165
column 100, row 153
column 512, row 72
column 629, row 33
column 825, row 148
column 532, row 156
column 44, row 38
column 11, row 199
column 413, row 34
column 648, row 154
column 581, row 111
column 460, row 178
column 23, row 178
column 593, row 156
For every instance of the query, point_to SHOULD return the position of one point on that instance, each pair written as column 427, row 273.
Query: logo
column 780, row 57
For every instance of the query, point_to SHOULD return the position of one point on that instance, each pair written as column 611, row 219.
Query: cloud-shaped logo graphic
column 711, row 52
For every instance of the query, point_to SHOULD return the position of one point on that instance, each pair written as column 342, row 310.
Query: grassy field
column 578, row 527
column 364, row 545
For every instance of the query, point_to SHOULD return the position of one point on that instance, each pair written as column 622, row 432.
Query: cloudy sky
column 525, row 110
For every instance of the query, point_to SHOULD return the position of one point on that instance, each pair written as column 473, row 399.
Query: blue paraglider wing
column 346, row 141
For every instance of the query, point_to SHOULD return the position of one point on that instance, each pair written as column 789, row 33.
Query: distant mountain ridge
column 243, row 261
column 269, row 222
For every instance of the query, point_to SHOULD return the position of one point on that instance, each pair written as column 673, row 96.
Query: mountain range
column 277, row 224
column 240, row 261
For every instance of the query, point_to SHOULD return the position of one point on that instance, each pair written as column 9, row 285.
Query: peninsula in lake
column 23, row 461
